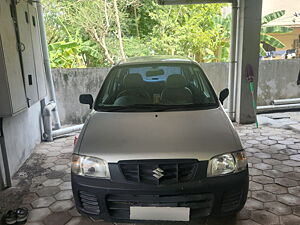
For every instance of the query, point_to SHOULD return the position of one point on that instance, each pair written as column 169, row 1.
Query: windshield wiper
column 186, row 107
column 133, row 107
column 154, row 107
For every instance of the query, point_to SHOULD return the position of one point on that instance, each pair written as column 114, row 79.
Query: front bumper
column 111, row 201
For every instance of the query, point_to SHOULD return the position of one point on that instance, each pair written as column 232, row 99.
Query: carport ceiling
column 180, row 2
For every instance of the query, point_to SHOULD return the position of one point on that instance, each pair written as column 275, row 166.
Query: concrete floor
column 43, row 182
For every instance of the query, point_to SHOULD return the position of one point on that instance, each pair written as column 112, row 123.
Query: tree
column 94, row 18
column 119, row 30
column 99, row 32
column 220, row 34
column 185, row 30
column 68, row 46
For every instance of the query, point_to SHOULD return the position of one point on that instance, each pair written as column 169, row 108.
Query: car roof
column 155, row 59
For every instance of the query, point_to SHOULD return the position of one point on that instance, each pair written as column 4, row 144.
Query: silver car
column 158, row 145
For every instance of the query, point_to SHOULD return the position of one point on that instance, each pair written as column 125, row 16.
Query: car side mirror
column 223, row 95
column 86, row 99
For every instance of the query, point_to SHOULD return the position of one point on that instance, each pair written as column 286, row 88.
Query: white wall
column 22, row 132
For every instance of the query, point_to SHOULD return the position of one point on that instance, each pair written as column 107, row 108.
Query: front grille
column 89, row 202
column 200, row 204
column 173, row 171
column 231, row 200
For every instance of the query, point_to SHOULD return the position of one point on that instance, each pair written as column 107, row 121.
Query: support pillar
column 233, row 61
column 249, row 27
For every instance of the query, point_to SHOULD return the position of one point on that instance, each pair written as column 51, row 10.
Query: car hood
column 115, row 136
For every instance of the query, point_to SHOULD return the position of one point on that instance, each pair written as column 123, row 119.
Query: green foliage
column 271, row 41
column 276, row 30
column 84, row 33
column 64, row 40
column 65, row 54
column 143, row 19
column 136, row 47
column 272, row 16
column 189, row 30
column 265, row 36
column 197, row 31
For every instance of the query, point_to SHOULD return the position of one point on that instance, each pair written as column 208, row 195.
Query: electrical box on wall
column 12, row 93
column 20, row 89
column 37, row 53
column 34, row 71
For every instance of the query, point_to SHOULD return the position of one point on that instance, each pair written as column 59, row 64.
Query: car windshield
column 156, row 87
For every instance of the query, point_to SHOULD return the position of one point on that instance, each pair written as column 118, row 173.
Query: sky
column 290, row 6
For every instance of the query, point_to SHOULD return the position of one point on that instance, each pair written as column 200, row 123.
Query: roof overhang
column 183, row 2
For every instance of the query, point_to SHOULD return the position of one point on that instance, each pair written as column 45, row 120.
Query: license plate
column 160, row 213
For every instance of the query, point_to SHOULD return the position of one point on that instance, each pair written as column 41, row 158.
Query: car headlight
column 90, row 166
column 227, row 163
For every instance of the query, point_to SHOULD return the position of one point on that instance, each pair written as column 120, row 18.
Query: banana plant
column 265, row 36
column 65, row 54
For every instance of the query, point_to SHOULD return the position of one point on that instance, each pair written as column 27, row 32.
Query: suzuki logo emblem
column 158, row 173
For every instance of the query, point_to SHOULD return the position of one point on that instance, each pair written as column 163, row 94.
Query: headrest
column 133, row 80
column 176, row 81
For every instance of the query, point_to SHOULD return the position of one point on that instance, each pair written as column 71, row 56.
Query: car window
column 156, row 86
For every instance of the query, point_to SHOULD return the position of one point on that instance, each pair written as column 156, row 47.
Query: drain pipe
column 286, row 101
column 49, row 134
column 51, row 107
column 66, row 130
column 277, row 108
column 233, row 62
column 49, row 77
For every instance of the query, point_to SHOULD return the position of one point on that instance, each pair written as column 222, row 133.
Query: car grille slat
column 180, row 171
column 199, row 204
column 231, row 200
column 89, row 202
column 159, row 198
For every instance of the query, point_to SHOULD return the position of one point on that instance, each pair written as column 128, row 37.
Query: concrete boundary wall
column 69, row 84
column 277, row 80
